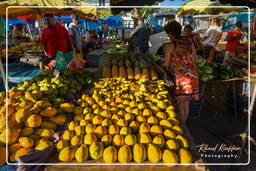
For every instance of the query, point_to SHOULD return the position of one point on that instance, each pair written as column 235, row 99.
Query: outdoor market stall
column 123, row 113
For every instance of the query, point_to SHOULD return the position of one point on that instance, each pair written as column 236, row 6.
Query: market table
column 198, row 160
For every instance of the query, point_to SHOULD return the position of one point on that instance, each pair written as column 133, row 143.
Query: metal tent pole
column 3, row 75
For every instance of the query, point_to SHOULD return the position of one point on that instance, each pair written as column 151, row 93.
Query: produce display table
column 134, row 167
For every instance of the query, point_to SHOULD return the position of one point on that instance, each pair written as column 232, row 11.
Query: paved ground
column 218, row 121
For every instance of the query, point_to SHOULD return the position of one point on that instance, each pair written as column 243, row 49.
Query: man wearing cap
column 74, row 31
column 212, row 38
column 141, row 34
column 233, row 40
column 55, row 38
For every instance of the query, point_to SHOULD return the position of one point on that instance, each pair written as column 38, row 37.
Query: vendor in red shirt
column 233, row 40
column 55, row 38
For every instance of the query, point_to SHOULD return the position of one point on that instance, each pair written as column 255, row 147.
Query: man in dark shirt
column 141, row 34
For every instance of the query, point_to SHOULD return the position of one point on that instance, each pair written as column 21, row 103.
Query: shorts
column 209, row 52
column 228, row 56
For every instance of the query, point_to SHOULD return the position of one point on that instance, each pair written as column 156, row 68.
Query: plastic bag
column 78, row 63
column 62, row 60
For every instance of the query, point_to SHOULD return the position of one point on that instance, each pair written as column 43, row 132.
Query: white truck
column 158, row 37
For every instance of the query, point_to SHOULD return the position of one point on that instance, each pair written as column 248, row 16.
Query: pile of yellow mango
column 20, row 49
column 125, row 121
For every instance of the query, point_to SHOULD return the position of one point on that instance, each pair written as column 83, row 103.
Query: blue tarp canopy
column 18, row 21
column 18, row 72
column 114, row 21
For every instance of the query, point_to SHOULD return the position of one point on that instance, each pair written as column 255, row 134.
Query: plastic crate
column 195, row 109
column 196, row 106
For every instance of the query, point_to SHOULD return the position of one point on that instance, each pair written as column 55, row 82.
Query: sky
column 173, row 2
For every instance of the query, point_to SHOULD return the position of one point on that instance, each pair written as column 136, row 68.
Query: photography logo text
column 218, row 151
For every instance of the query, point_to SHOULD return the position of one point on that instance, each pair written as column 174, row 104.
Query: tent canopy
column 14, row 12
column 114, row 21
column 204, row 7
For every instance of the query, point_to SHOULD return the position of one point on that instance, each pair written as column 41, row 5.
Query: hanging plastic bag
column 78, row 63
column 62, row 60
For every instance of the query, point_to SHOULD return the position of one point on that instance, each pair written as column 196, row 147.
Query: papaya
column 118, row 140
column 183, row 142
column 77, row 140
column 156, row 130
column 90, row 138
column 11, row 110
column 113, row 130
column 165, row 124
column 46, row 133
column 139, row 153
column 174, row 121
column 90, row 128
column 82, row 154
column 172, row 144
column 26, row 142
column 147, row 112
column 2, row 155
column 13, row 135
column 48, row 112
column 159, row 141
column 49, row 125
column 59, row 119
column 124, row 154
column 171, row 113
column 141, row 119
column 185, row 156
column 154, row 153
column 106, row 114
column 130, row 139
column 79, row 130
column 83, row 122
column 21, row 152
column 106, row 122
column 30, row 97
column 122, row 122
column 152, row 120
column 134, row 125
column 96, row 150
column 168, row 133
column 144, row 138
column 42, row 104
column 61, row 144
column 22, row 115
column 68, row 135
column 125, row 131
column 97, row 120
column 43, row 143
column 161, row 116
column 128, row 117
column 68, row 107
column 144, row 128
column 34, row 121
column 14, row 147
column 178, row 130
column 170, row 156
column 106, row 140
column 100, row 131
column 67, row 154
column 25, row 132
column 110, row 154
